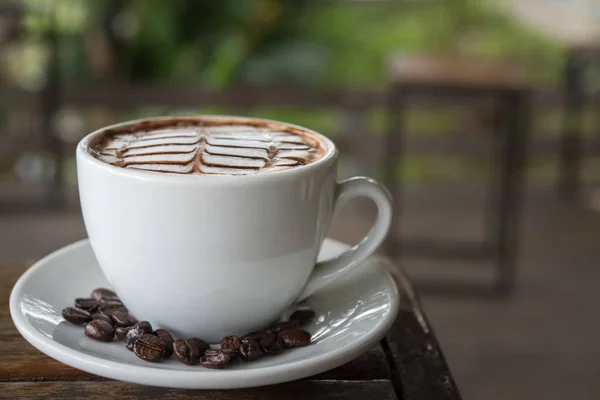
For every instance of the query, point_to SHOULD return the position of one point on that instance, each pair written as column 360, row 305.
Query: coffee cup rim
column 84, row 153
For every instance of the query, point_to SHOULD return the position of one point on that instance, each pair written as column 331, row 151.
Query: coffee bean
column 122, row 319
column 103, row 294
column 111, row 311
column 90, row 305
column 215, row 359
column 202, row 345
column 99, row 330
column 76, row 316
column 250, row 351
column 135, row 332
column 282, row 326
column 230, row 343
column 303, row 316
column 110, row 303
column 106, row 316
column 249, row 337
column 267, row 340
column 294, row 338
column 275, row 347
column 103, row 317
column 211, row 352
column 121, row 332
column 189, row 351
column 111, row 306
column 232, row 353
column 167, row 338
column 150, row 348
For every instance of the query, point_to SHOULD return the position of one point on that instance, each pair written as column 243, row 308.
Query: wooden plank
column 421, row 371
column 464, row 72
column 371, row 365
column 36, row 366
column 313, row 390
column 9, row 274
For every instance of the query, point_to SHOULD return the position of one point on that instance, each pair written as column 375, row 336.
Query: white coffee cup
column 208, row 256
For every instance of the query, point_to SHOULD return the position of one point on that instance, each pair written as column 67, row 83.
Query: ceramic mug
column 212, row 255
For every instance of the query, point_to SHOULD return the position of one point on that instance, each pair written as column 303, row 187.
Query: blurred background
column 480, row 116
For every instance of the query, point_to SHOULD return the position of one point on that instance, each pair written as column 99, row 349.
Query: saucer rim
column 195, row 379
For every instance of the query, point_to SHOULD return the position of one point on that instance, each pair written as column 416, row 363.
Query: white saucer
column 352, row 316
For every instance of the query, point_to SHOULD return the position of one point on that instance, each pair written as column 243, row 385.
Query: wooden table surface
column 407, row 364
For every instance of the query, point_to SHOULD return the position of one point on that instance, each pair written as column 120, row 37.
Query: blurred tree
column 219, row 42
column 155, row 39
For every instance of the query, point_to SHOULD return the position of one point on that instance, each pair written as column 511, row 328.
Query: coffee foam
column 219, row 149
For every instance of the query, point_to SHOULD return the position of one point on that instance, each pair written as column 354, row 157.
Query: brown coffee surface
column 228, row 149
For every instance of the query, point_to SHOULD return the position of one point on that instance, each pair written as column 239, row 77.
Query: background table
column 407, row 364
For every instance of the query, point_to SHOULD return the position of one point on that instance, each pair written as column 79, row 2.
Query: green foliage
column 217, row 43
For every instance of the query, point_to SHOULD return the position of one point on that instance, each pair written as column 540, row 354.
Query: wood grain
column 310, row 390
column 421, row 372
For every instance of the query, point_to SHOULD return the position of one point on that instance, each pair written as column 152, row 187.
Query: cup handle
column 328, row 271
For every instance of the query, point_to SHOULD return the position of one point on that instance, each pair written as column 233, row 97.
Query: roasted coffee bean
column 266, row 341
column 232, row 353
column 111, row 311
column 122, row 319
column 294, row 338
column 274, row 348
column 111, row 306
column 249, row 337
column 303, row 316
column 110, row 303
column 250, row 351
column 90, row 305
column 202, row 345
column 211, row 352
column 76, row 316
column 215, row 359
column 121, row 332
column 230, row 343
column 99, row 330
column 150, row 348
column 167, row 338
column 185, row 352
column 103, row 317
column 104, row 294
column 282, row 326
column 189, row 351
column 135, row 332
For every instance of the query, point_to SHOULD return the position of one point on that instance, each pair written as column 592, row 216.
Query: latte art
column 220, row 149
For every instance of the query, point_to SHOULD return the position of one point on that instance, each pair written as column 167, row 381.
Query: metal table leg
column 396, row 104
column 512, row 169
column 570, row 153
